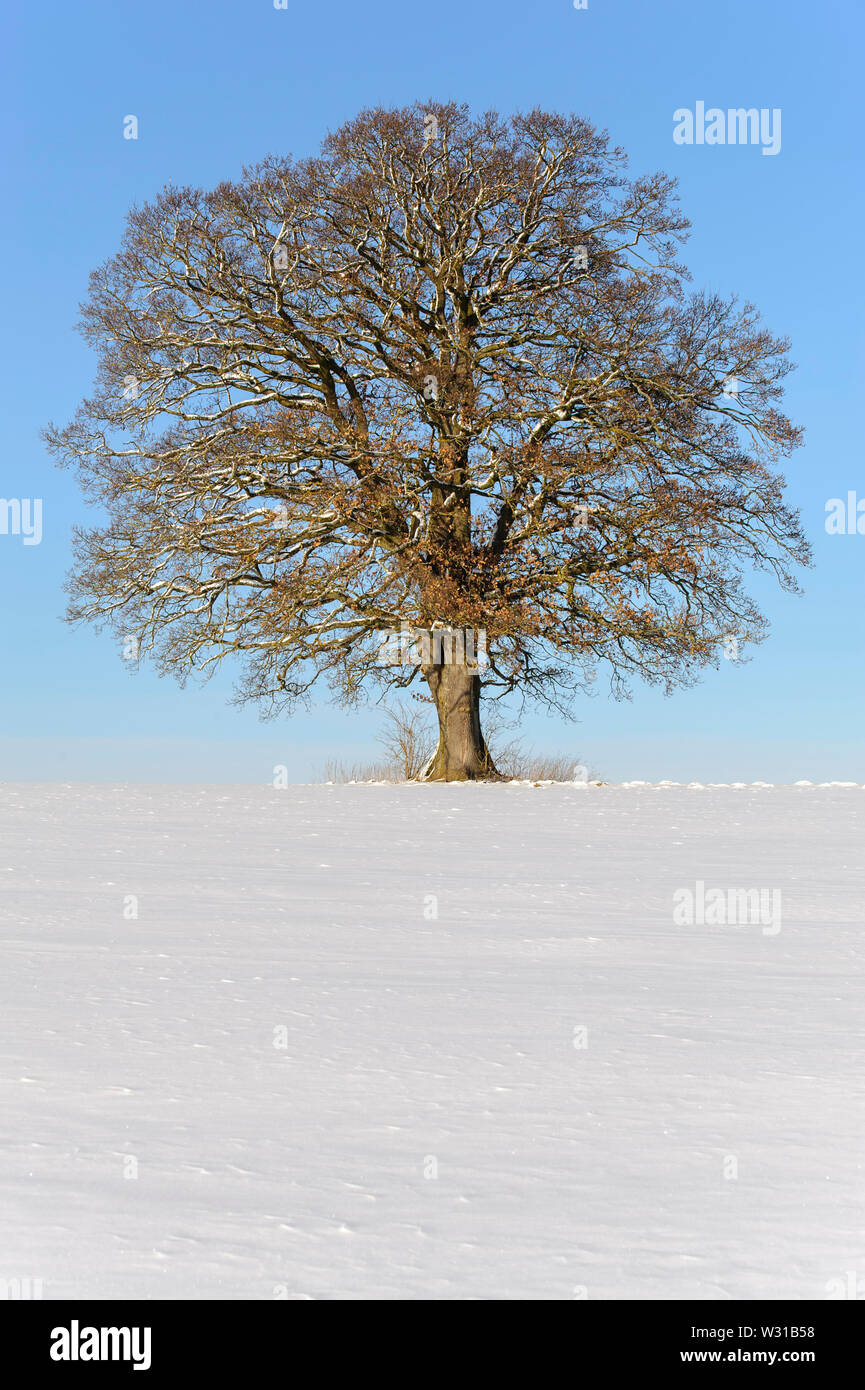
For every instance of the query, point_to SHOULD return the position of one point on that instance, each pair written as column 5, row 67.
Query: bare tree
column 407, row 741
column 446, row 375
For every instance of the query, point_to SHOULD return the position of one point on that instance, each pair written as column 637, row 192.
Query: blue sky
column 217, row 84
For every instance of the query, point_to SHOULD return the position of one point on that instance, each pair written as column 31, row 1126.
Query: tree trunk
column 461, row 755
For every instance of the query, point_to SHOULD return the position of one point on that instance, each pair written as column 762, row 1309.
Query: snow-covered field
column 429, row 1042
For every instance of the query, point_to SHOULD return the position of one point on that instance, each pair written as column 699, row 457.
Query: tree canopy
column 447, row 372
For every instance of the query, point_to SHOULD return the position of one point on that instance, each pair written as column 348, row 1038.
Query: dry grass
column 357, row 772
column 408, row 741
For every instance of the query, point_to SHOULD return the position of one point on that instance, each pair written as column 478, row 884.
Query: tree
column 443, row 377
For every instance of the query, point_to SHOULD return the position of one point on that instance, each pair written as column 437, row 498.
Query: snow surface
column 301, row 1163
